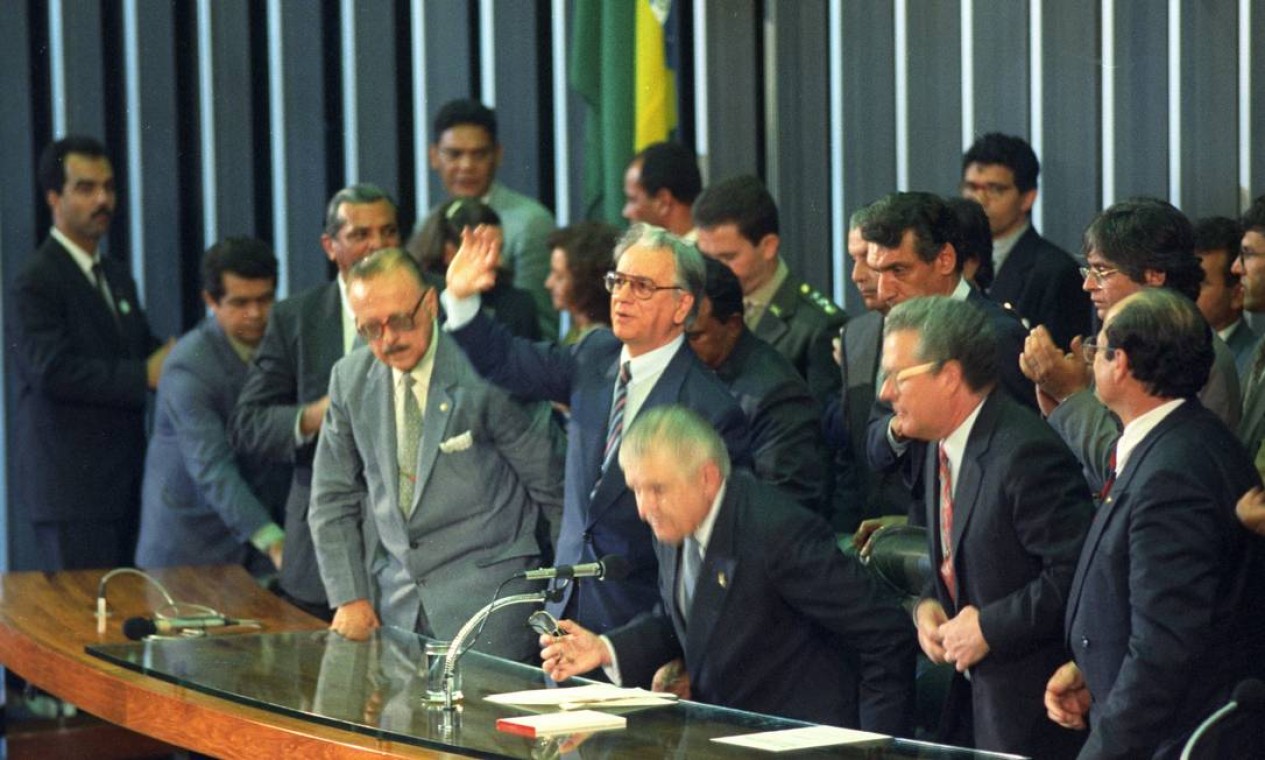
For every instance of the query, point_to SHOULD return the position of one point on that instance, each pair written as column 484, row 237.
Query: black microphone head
column 614, row 567
column 1250, row 694
column 138, row 628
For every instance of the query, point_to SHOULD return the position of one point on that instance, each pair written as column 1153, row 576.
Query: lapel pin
column 722, row 579
column 124, row 307
column 443, row 406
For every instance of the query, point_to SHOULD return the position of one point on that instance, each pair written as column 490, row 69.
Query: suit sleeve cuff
column 267, row 536
column 612, row 670
column 459, row 311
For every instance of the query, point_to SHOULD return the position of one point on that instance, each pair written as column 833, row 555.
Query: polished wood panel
column 46, row 621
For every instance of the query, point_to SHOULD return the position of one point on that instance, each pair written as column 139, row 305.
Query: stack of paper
column 581, row 697
column 791, row 739
column 546, row 724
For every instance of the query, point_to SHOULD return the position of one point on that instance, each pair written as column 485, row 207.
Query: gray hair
column 949, row 330
column 682, row 435
column 690, row 271
column 354, row 194
column 386, row 261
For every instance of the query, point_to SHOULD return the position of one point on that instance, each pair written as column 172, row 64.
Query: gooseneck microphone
column 612, row 567
column 138, row 628
column 1248, row 695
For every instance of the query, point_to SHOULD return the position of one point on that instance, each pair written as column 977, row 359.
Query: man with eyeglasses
column 1249, row 266
column 1007, row 510
column 283, row 400
column 1132, row 245
column 466, row 154
column 1033, row 275
column 1164, row 612
column 449, row 473
column 607, row 380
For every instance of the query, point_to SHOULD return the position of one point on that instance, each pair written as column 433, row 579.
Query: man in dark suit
column 1217, row 241
column 1132, row 245
column 201, row 503
column 1007, row 510
column 451, row 474
column 283, row 401
column 1249, row 266
column 738, row 224
column 768, row 614
column 1164, row 614
column 786, row 441
column 1034, row 276
column 657, row 282
column 85, row 360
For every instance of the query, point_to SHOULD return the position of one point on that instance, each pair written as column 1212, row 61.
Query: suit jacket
column 1020, row 513
column 1090, row 429
column 781, row 622
column 1164, row 614
column 801, row 323
column 291, row 368
column 486, row 469
column 1252, row 425
column 81, row 391
column 1042, row 282
column 201, row 503
column 1242, row 343
column 786, row 441
column 583, row 377
column 526, row 225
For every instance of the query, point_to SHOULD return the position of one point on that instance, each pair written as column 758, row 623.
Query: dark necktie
column 947, row 573
column 615, row 428
column 1111, row 476
column 691, row 563
column 103, row 287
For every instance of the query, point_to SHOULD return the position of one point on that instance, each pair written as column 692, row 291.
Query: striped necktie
column 615, row 428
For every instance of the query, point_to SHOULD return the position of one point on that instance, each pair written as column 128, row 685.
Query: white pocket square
column 457, row 443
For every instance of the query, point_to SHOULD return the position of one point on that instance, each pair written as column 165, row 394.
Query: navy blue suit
column 201, row 503
column 79, row 427
column 1164, row 613
column 782, row 622
column 583, row 376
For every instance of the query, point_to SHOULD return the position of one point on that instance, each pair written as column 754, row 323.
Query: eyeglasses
column 399, row 323
column 1247, row 254
column 643, row 288
column 1100, row 275
column 990, row 190
column 1090, row 349
column 904, row 375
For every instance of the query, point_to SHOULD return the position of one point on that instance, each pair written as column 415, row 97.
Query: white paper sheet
column 791, row 739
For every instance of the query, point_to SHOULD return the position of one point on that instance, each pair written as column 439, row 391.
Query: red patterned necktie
column 946, row 526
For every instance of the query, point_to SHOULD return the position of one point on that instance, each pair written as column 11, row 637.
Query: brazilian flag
column 620, row 68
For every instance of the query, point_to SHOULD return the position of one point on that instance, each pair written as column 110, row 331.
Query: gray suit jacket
column 476, row 505
column 200, row 503
column 290, row 369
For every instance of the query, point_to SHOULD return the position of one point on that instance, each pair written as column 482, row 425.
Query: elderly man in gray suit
column 451, row 473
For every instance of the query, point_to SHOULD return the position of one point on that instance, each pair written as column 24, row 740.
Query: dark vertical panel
column 522, row 125
column 1141, row 105
column 575, row 129
column 1210, row 108
column 1071, row 170
column 448, row 70
column 233, row 113
column 18, row 201
column 155, row 193
column 733, row 89
column 868, row 130
column 376, row 110
column 83, row 59
column 934, row 95
column 802, row 149
column 1001, row 67
column 1256, row 61
column 303, row 160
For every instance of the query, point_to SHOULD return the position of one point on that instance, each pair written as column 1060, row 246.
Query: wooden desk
column 46, row 620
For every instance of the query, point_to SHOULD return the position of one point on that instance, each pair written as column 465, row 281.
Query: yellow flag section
column 655, row 84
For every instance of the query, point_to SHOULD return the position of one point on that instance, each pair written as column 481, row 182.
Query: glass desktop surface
column 377, row 688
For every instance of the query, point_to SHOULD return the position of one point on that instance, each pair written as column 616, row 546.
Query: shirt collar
column 763, row 295
column 1003, row 245
column 81, row 257
column 962, row 290
column 955, row 443
column 1139, row 428
column 651, row 363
